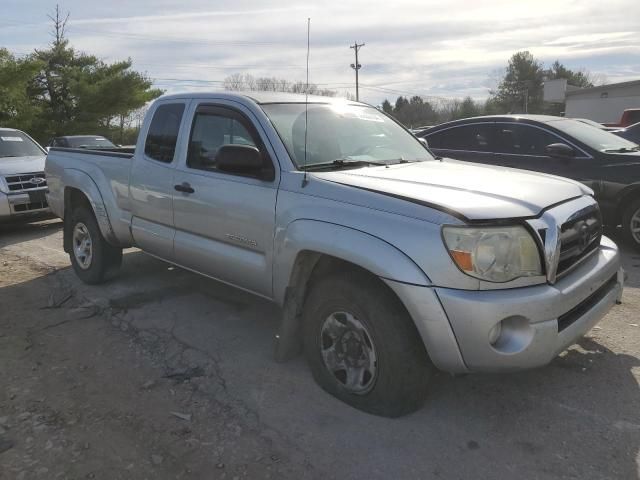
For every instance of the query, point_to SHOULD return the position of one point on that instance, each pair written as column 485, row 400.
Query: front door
column 224, row 222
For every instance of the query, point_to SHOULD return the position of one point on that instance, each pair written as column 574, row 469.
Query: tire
column 396, row 365
column 631, row 222
column 95, row 261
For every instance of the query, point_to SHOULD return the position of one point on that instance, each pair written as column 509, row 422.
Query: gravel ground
column 164, row 374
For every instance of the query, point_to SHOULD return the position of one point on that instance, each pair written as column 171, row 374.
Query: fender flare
column 298, row 249
column 83, row 182
column 367, row 251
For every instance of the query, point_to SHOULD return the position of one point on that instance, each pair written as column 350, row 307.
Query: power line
column 356, row 66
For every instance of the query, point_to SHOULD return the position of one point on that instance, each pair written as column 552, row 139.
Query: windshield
column 89, row 142
column 594, row 137
column 343, row 133
column 17, row 144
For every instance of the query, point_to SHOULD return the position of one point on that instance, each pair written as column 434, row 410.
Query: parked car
column 82, row 141
column 631, row 133
column 387, row 263
column 629, row 117
column 22, row 181
column 596, row 124
column 607, row 164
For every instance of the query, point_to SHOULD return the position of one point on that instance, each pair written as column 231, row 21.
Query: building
column 603, row 104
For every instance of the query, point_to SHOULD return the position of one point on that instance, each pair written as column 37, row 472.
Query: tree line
column 59, row 91
column 519, row 90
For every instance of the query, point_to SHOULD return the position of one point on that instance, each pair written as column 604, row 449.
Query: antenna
column 306, row 109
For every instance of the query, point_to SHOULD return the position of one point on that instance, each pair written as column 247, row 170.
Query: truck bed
column 105, row 172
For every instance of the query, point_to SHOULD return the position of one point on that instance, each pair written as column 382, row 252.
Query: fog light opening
column 511, row 335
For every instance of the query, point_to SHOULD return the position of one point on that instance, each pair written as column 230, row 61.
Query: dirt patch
column 84, row 394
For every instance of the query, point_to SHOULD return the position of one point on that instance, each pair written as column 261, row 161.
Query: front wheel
column 631, row 223
column 92, row 257
column 362, row 346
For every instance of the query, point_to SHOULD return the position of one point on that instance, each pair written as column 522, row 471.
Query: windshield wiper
column 341, row 162
column 6, row 156
column 622, row 150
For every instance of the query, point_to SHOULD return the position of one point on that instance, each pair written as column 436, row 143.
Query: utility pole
column 356, row 66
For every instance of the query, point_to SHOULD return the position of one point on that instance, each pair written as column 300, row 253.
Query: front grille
column 25, row 181
column 579, row 310
column 579, row 237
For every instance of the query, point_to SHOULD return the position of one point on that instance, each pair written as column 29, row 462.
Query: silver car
column 23, row 185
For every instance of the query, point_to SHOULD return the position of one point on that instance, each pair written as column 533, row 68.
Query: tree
column 16, row 106
column 76, row 93
column 239, row 82
column 387, row 107
column 521, row 88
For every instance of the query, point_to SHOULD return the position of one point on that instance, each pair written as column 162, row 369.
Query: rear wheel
column 93, row 258
column 631, row 223
column 362, row 346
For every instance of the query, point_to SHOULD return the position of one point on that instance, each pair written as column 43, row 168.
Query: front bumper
column 16, row 206
column 537, row 322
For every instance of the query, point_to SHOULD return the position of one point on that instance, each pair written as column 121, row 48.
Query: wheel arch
column 309, row 249
column 81, row 189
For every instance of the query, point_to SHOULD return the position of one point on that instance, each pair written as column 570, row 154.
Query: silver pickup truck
column 387, row 261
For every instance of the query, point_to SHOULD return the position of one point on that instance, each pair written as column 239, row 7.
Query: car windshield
column 593, row 137
column 17, row 144
column 89, row 142
column 342, row 134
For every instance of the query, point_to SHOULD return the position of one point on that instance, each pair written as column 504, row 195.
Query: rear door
column 470, row 142
column 151, row 180
column 224, row 221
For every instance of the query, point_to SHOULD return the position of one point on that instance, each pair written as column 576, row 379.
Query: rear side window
column 163, row 132
column 475, row 138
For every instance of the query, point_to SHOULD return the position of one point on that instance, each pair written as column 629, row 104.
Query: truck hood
column 16, row 165
column 466, row 190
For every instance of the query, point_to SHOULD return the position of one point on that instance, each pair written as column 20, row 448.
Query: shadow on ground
column 576, row 418
column 18, row 232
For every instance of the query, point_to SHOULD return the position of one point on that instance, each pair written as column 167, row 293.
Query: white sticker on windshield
column 11, row 139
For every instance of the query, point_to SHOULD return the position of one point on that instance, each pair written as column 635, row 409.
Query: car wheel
column 362, row 346
column 631, row 223
column 93, row 258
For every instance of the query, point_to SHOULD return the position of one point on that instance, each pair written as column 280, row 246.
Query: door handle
column 184, row 187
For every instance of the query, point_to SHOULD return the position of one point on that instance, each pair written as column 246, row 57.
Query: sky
column 440, row 49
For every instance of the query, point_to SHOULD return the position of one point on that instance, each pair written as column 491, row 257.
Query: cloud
column 430, row 47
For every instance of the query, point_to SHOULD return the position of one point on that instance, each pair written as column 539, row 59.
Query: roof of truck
column 262, row 97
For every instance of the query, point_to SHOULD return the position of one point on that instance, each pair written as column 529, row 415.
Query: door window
column 475, row 138
column 211, row 130
column 523, row 140
column 163, row 132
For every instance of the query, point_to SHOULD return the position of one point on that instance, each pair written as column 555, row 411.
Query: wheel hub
column 635, row 226
column 82, row 245
column 348, row 352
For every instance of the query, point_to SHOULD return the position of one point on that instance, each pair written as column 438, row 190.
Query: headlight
column 4, row 188
column 494, row 254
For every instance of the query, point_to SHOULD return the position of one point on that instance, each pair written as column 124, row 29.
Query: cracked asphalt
column 161, row 373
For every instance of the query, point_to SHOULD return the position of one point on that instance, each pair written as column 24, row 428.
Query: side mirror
column 47, row 149
column 423, row 141
column 243, row 160
column 559, row 150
